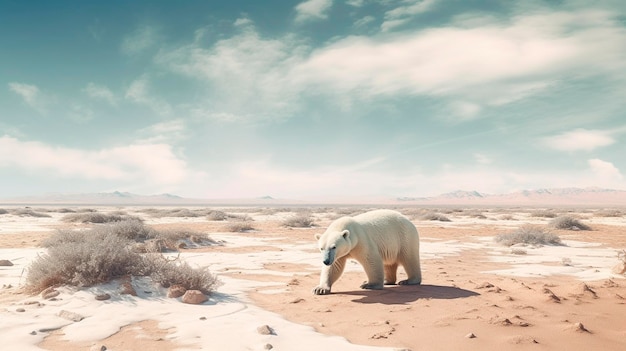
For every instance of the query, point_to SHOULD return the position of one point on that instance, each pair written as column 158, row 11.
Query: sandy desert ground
column 475, row 295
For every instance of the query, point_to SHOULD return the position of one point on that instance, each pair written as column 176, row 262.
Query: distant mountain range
column 553, row 196
column 596, row 197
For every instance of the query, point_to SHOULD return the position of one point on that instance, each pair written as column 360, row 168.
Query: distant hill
column 596, row 197
column 555, row 196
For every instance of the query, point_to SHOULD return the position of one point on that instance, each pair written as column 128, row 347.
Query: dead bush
column 568, row 223
column 528, row 234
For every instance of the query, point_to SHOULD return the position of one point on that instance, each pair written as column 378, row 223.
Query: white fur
column 379, row 240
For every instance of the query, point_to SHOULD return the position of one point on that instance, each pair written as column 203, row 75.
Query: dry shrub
column 239, row 226
column 28, row 212
column 216, row 215
column 543, row 214
column 169, row 272
column 528, row 234
column 433, row 216
column 609, row 213
column 299, row 221
column 84, row 258
column 93, row 217
column 569, row 223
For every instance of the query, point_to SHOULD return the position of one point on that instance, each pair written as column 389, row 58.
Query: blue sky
column 311, row 99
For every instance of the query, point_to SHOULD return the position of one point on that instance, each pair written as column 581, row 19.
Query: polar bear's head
column 333, row 244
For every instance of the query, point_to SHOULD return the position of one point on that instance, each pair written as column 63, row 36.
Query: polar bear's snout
column 328, row 256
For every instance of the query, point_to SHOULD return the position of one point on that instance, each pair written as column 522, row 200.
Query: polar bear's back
column 390, row 231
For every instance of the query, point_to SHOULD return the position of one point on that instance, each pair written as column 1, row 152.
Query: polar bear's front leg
column 329, row 276
column 374, row 269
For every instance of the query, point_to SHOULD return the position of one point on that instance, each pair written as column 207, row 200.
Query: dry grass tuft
column 568, row 223
column 528, row 234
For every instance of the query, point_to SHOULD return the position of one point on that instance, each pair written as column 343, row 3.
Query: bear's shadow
column 402, row 294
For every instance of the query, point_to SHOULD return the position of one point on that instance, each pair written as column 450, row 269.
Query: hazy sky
column 310, row 99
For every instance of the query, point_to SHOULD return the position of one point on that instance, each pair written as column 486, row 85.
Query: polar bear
column 379, row 240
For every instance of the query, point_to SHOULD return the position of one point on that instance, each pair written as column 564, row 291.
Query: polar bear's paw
column 410, row 282
column 371, row 286
column 321, row 290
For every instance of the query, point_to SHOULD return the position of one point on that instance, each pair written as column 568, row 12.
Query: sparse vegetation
column 28, row 212
column 568, row 223
column 239, row 226
column 528, row 234
column 433, row 216
column 217, row 216
column 84, row 258
column 609, row 213
column 543, row 214
column 96, row 217
column 299, row 221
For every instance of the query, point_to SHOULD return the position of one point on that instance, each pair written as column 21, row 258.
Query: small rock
column 33, row 333
column 268, row 346
column 552, row 296
column 194, row 297
column 203, row 318
column 470, row 336
column 98, row 347
column 297, row 300
column 587, row 289
column 176, row 291
column 74, row 317
column 127, row 289
column 47, row 330
column 485, row 285
column 265, row 330
column 102, row 297
column 6, row 263
column 20, row 310
column 49, row 293
column 579, row 327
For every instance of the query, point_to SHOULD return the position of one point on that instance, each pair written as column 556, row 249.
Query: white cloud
column 312, row 10
column 100, row 92
column 80, row 113
column 138, row 92
column 478, row 61
column 154, row 164
column 604, row 170
column 30, row 94
column 247, row 76
column 580, row 140
column 403, row 14
column 140, row 40
column 168, row 131
column 355, row 3
column 364, row 21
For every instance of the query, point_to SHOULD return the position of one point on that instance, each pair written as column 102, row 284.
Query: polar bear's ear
column 345, row 234
column 317, row 236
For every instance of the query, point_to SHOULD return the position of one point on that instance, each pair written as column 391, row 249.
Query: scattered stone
column 297, row 300
column 32, row 303
column 128, row 289
column 265, row 330
column 293, row 282
column 176, row 291
column 102, row 297
column 98, row 347
column 551, row 295
column 33, row 333
column 587, row 289
column 579, row 327
column 20, row 310
column 610, row 284
column 6, row 263
column 74, row 317
column 268, row 346
column 47, row 330
column 194, row 297
column 203, row 318
column 502, row 321
column 49, row 293
column 470, row 336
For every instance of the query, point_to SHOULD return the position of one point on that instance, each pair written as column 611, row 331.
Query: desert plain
column 476, row 294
